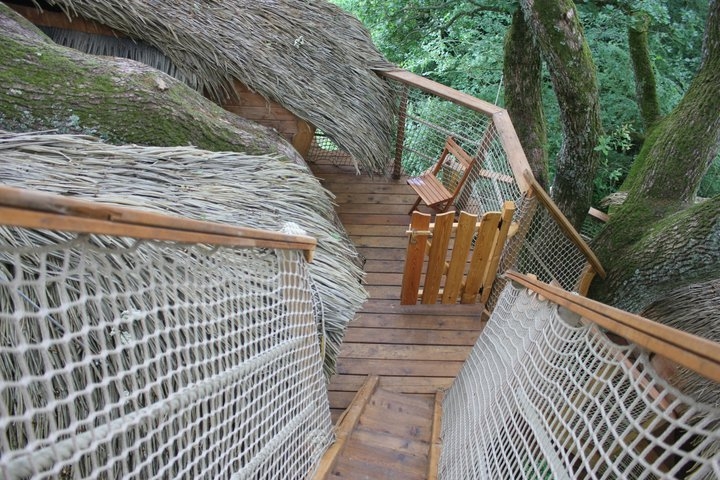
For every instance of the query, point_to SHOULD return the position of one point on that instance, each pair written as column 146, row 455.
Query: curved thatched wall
column 310, row 56
column 234, row 188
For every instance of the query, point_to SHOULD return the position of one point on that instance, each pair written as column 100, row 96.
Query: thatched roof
column 201, row 185
column 308, row 55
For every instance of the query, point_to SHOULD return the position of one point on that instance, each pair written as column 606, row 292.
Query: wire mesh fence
column 540, row 247
column 125, row 358
column 546, row 394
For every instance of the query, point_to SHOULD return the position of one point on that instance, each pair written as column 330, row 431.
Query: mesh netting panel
column 144, row 359
column 491, row 182
column 541, row 248
column 546, row 395
column 428, row 121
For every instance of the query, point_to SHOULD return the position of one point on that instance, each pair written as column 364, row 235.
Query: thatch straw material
column 261, row 192
column 308, row 55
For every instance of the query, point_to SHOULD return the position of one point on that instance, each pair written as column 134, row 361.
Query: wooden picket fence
column 463, row 270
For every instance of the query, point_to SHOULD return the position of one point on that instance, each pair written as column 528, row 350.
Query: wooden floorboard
column 416, row 350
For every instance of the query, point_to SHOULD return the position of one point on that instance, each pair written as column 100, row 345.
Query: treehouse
column 144, row 334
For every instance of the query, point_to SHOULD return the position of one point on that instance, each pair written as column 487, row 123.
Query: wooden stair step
column 384, row 434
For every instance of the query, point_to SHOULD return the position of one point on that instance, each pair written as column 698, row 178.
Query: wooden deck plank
column 416, row 350
column 407, row 336
column 405, row 352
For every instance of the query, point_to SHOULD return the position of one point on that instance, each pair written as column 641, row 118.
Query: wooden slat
column 437, row 255
column 346, row 424
column 400, row 384
column 435, row 441
column 467, row 225
column 392, row 367
column 415, row 257
column 404, row 352
column 487, row 233
column 412, row 336
column 47, row 18
column 698, row 354
column 498, row 244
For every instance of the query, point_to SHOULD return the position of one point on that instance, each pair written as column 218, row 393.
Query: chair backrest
column 459, row 167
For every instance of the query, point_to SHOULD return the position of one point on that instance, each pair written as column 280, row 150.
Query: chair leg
column 417, row 202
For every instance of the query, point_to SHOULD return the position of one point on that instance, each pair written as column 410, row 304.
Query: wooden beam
column 698, row 354
column 30, row 209
column 435, row 438
column 345, row 426
column 47, row 18
column 440, row 90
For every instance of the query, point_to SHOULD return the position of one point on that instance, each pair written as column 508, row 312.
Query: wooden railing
column 498, row 116
column 429, row 113
column 30, row 209
column 698, row 354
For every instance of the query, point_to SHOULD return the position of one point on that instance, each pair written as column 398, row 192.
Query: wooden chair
column 429, row 186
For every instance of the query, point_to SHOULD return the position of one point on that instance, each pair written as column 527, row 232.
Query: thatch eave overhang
column 309, row 56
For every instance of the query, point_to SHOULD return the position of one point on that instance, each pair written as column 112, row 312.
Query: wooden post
column 498, row 244
column 400, row 140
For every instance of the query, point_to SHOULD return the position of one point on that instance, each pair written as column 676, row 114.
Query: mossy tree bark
column 557, row 30
column 48, row 87
column 522, row 71
column 659, row 240
column 645, row 85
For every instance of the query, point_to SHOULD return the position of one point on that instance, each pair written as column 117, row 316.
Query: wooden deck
column 415, row 349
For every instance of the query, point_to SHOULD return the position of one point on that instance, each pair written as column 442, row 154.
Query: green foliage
column 614, row 161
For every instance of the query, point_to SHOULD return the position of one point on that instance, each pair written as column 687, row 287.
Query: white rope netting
column 547, row 395
column 122, row 358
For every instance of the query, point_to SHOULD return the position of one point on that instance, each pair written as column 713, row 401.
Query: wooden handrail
column 30, row 209
column 440, row 90
column 698, row 354
column 499, row 116
column 565, row 224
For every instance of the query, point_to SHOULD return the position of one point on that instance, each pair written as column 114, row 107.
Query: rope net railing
column 545, row 394
column 539, row 246
column 139, row 358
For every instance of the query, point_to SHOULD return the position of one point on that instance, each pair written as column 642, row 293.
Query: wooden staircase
column 384, row 435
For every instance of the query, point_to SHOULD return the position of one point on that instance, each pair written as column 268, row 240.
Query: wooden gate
column 469, row 272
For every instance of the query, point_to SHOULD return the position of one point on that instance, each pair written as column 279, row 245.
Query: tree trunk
column 557, row 29
column 645, row 86
column 523, row 95
column 658, row 240
column 678, row 251
column 48, row 87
